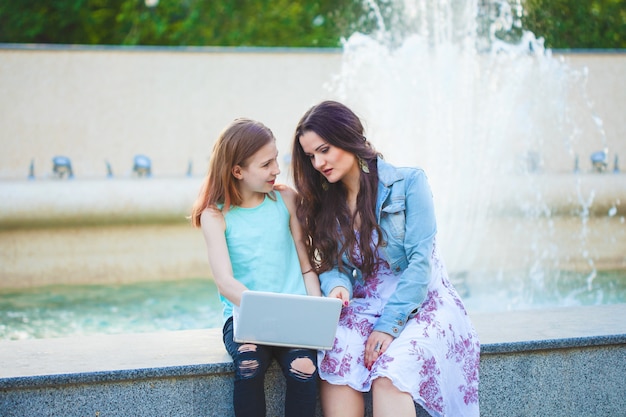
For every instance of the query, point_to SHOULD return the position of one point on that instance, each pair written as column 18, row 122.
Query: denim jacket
column 405, row 213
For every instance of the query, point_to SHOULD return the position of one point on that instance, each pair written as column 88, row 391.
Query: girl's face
column 334, row 163
column 260, row 172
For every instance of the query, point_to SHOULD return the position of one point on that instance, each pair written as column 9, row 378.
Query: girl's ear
column 237, row 172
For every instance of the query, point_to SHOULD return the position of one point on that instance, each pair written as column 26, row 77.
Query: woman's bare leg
column 341, row 401
column 389, row 401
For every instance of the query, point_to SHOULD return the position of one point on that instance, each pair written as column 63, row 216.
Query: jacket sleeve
column 334, row 278
column 420, row 231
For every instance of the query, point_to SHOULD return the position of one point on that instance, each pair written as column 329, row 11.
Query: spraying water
column 462, row 90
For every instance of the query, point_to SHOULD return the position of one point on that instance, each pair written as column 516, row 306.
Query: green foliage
column 177, row 22
column 577, row 23
column 57, row 21
column 291, row 23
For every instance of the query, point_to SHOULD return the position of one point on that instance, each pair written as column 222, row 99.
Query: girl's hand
column 376, row 345
column 342, row 293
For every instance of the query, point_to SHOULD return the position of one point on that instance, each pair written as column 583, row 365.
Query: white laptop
column 287, row 320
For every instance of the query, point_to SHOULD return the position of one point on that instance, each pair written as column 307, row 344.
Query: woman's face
column 334, row 163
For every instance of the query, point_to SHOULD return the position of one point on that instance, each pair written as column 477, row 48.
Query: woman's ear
column 237, row 172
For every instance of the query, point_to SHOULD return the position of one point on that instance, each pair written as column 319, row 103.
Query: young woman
column 254, row 239
column 370, row 227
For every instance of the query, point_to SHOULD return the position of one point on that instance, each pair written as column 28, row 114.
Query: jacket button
column 400, row 322
column 395, row 330
column 397, row 269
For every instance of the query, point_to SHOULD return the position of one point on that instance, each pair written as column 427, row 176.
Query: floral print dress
column 435, row 358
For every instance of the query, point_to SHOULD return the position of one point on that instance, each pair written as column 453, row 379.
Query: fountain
column 477, row 101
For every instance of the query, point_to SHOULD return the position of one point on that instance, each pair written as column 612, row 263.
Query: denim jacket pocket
column 392, row 219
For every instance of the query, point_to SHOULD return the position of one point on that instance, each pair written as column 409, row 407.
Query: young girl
column 254, row 242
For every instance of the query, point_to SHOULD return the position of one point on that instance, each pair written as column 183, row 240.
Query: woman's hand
column 342, row 293
column 376, row 345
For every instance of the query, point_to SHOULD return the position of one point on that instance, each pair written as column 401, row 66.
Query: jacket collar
column 387, row 173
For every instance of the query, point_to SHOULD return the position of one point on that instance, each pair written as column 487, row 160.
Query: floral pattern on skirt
column 435, row 358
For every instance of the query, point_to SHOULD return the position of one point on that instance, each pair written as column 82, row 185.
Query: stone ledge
column 94, row 201
column 557, row 357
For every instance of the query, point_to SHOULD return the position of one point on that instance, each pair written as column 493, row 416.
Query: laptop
column 288, row 320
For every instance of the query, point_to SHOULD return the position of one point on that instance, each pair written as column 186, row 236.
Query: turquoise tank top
column 262, row 250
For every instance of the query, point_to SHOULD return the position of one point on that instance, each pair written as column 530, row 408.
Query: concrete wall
column 97, row 104
column 118, row 254
column 94, row 104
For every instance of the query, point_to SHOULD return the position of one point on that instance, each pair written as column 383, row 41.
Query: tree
column 577, row 23
column 58, row 21
column 178, row 22
column 295, row 23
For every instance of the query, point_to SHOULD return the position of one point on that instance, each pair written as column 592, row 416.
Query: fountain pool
column 78, row 310
column 72, row 310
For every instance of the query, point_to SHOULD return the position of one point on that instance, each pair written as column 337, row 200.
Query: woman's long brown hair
column 235, row 145
column 322, row 208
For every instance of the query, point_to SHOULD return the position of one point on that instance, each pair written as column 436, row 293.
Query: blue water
column 547, row 289
column 67, row 310
column 70, row 310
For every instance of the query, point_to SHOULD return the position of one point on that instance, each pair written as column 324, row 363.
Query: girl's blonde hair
column 235, row 145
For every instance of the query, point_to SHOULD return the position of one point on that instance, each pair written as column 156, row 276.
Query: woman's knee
column 383, row 384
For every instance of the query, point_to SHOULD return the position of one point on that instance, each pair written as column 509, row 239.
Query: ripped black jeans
column 251, row 361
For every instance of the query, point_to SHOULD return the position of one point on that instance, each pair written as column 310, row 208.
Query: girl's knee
column 247, row 366
column 303, row 368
